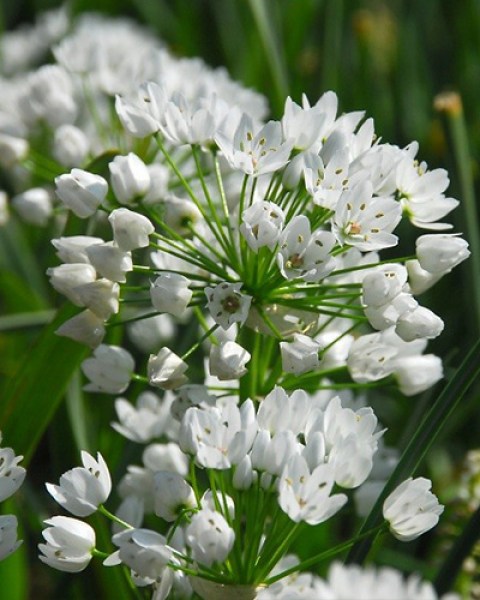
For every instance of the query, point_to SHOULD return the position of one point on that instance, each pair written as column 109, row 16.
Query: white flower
column 227, row 304
column 166, row 370
column 109, row 370
column 70, row 145
column 209, row 537
column 228, row 360
column 11, row 474
column 110, row 261
column 8, row 535
column 262, row 225
column 129, row 177
column 130, row 229
column 141, row 114
column 69, row 546
column 169, row 293
column 72, row 249
column 81, row 191
column 369, row 358
column 144, row 422
column 301, row 355
column 100, row 296
column 255, row 151
column 440, row 253
column 305, row 496
column 364, row 221
column 172, row 495
column 67, row 277
column 83, row 489
column 420, row 280
column 419, row 323
column 144, row 551
column 86, row 328
column 303, row 253
column 415, row 374
column 279, row 411
column 34, row 206
column 383, row 284
column 12, row 149
column 411, row 509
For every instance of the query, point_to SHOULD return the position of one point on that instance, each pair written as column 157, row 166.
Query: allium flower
column 86, row 328
column 81, row 191
column 72, row 249
column 210, row 537
column 172, row 495
column 262, row 225
column 305, row 495
column 227, row 304
column 440, row 253
column 144, row 551
column 228, row 360
column 11, row 474
column 130, row 230
column 166, row 370
column 8, row 535
column 83, row 489
column 411, row 509
column 100, row 296
column 301, row 355
column 303, row 253
column 70, row 145
column 255, row 151
column 34, row 206
column 110, row 261
column 69, row 546
column 66, row 278
column 109, row 370
column 129, row 177
column 169, row 293
column 146, row 421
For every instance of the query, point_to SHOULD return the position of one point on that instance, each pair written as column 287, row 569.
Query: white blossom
column 166, row 370
column 129, row 177
column 130, row 229
column 210, row 537
column 109, row 370
column 69, row 544
column 227, row 304
column 81, row 191
column 228, row 360
column 170, row 293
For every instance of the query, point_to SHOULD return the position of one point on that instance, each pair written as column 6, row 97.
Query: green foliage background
column 389, row 58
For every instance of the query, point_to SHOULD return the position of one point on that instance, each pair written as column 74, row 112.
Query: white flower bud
column 411, row 509
column 109, row 370
column 159, row 176
column 210, row 537
column 66, row 278
column 169, row 293
column 172, row 495
column 228, row 360
column 81, row 191
column 110, row 261
column 262, row 225
column 415, row 374
column 130, row 229
column 301, row 355
column 440, row 253
column 34, row 206
column 244, row 474
column 129, row 177
column 12, row 149
column 86, row 328
column 100, row 296
column 70, row 146
column 179, row 213
column 383, row 284
column 72, row 249
column 166, row 370
column 12, row 474
column 69, row 544
column 165, row 457
column 419, row 323
column 385, row 316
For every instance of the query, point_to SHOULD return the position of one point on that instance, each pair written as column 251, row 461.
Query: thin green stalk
column 272, row 47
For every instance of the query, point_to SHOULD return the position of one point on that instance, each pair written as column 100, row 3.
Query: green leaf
column 34, row 394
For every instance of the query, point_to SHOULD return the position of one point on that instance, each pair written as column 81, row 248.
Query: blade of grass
column 273, row 52
column 33, row 395
column 420, row 443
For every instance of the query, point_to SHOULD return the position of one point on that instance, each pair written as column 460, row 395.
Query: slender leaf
column 38, row 387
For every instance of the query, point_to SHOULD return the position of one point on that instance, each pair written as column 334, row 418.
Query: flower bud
column 12, row 149
column 419, row 323
column 166, row 370
column 170, row 293
column 85, row 328
column 34, row 206
column 129, row 177
column 130, row 229
column 66, row 278
column 440, row 253
column 72, row 249
column 110, row 261
column 109, row 370
column 69, row 546
column 228, row 360
column 70, row 146
column 8, row 535
column 100, row 296
column 210, row 537
column 81, row 191
column 415, row 374
column 301, row 355
column 172, row 495
column 420, row 280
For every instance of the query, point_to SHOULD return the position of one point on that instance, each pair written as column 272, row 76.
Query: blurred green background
column 389, row 58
